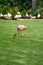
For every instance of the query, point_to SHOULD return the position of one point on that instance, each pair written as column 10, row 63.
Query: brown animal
column 20, row 28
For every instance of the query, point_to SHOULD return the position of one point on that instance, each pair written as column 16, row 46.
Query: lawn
column 23, row 50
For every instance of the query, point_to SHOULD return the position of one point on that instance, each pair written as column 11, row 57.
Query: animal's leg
column 18, row 32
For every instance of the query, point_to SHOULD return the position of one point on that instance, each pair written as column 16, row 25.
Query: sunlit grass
column 25, row 50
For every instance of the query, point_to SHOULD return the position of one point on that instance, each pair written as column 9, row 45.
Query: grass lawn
column 25, row 50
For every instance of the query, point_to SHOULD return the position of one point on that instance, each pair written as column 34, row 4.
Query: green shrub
column 41, row 12
column 5, row 9
column 34, row 12
column 16, row 8
column 29, row 11
column 0, row 10
column 13, row 12
column 23, row 13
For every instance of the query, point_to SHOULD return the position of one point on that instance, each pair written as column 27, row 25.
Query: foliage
column 4, row 2
column 34, row 12
column 39, row 3
column 41, row 12
column 16, row 8
column 29, row 11
column 26, row 4
column 5, row 9
column 23, row 13
column 0, row 10
column 22, row 4
column 13, row 12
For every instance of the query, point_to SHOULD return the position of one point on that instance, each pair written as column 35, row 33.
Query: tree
column 33, row 3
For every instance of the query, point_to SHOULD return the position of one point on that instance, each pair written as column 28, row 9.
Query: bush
column 34, row 12
column 41, row 12
column 13, row 12
column 29, row 11
column 23, row 13
column 16, row 8
column 5, row 9
column 0, row 10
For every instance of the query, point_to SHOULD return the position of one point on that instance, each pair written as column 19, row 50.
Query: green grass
column 25, row 50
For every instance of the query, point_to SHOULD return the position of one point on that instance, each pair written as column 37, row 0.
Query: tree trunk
column 33, row 3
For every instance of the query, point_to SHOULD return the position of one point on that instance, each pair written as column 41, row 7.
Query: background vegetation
column 23, row 6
